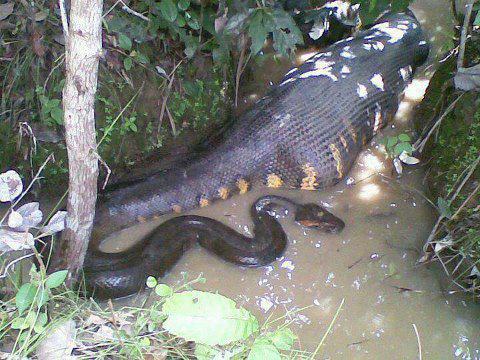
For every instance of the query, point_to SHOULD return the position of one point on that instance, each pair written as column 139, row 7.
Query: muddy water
column 371, row 265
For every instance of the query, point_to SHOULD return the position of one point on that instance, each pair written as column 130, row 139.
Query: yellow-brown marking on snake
column 338, row 158
column 242, row 185
column 141, row 219
column 364, row 139
column 204, row 202
column 350, row 129
column 344, row 142
column 223, row 193
column 274, row 181
column 177, row 208
column 309, row 182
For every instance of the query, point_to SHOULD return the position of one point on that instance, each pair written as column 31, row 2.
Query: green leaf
column 401, row 147
column 263, row 349
column 56, row 279
column 183, row 4
column 127, row 63
column 404, row 138
column 168, row 10
column 257, row 32
column 25, row 296
column 124, row 42
column 181, row 21
column 391, row 141
column 42, row 297
column 142, row 58
column 57, row 115
column 151, row 282
column 476, row 22
column 192, row 20
column 163, row 290
column 19, row 323
column 52, row 103
column 40, row 323
column 207, row 318
column 283, row 339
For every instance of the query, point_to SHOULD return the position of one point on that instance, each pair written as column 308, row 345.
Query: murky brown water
column 371, row 264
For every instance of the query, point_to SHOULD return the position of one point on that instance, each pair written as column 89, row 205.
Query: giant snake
column 305, row 133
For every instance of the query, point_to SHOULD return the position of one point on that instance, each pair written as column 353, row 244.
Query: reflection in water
column 369, row 191
column 371, row 264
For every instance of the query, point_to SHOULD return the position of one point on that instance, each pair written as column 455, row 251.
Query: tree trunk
column 83, row 49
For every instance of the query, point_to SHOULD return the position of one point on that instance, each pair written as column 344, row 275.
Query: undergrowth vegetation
column 452, row 148
column 169, row 68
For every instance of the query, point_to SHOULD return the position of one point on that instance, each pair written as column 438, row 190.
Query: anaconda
column 124, row 273
column 305, row 133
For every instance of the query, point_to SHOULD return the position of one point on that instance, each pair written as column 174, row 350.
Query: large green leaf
column 206, row 318
column 25, row 296
column 56, row 279
column 257, row 32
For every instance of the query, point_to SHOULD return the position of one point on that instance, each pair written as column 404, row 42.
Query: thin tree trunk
column 83, row 49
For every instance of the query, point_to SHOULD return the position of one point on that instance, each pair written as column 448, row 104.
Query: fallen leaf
column 56, row 223
column 10, row 186
column 407, row 159
column 15, row 219
column 6, row 10
column 31, row 214
column 11, row 240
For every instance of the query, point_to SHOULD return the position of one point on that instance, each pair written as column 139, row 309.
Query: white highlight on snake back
column 396, row 33
column 321, row 68
column 347, row 54
column 362, row 91
column 378, row 45
column 377, row 80
column 406, row 72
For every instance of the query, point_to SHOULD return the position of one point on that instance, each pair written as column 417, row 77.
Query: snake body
column 305, row 133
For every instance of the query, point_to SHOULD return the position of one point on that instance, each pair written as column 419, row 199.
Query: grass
column 129, row 332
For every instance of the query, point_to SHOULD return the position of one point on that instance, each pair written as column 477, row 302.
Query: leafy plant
column 217, row 326
column 400, row 150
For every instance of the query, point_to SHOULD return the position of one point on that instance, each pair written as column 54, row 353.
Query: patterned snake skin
column 306, row 133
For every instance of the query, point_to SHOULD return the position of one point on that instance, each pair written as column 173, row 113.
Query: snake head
column 316, row 216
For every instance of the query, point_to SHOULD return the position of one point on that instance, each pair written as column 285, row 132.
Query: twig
column 463, row 36
column 418, row 342
column 328, row 330
column 167, row 94
column 5, row 273
column 240, row 68
column 172, row 122
column 114, row 322
column 473, row 167
column 107, row 169
column 472, row 194
column 420, row 143
column 63, row 15
column 127, row 10
column 133, row 12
